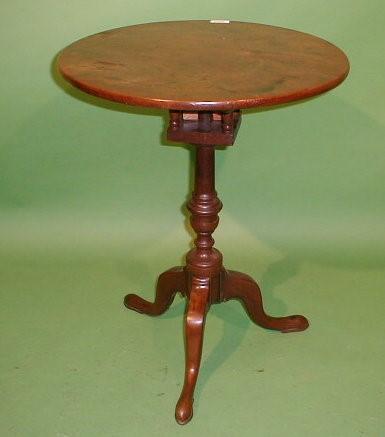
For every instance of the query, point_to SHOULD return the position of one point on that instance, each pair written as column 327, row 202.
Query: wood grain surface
column 199, row 65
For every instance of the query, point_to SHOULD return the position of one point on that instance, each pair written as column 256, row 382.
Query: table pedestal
column 204, row 280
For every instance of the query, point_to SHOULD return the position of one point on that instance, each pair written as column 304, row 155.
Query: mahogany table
column 204, row 73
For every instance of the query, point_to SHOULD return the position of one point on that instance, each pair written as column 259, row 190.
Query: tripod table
column 204, row 73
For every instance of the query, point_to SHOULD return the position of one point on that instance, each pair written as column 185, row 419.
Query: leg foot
column 194, row 329
column 244, row 288
column 169, row 283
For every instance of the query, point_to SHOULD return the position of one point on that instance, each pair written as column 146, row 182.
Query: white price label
column 220, row 21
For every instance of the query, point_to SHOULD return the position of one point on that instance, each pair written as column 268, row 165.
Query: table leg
column 197, row 307
column 169, row 283
column 242, row 287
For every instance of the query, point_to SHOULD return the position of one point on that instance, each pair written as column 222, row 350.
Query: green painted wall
column 91, row 208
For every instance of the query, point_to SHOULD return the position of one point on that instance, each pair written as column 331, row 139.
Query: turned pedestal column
column 204, row 280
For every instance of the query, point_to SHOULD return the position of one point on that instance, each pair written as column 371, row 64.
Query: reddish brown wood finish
column 205, row 128
column 204, row 261
column 169, row 283
column 242, row 287
column 198, row 65
column 197, row 308
column 205, row 281
column 204, row 74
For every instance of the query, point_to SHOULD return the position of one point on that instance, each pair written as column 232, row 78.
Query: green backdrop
column 91, row 206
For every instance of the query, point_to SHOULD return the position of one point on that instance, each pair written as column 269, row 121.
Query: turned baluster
column 204, row 261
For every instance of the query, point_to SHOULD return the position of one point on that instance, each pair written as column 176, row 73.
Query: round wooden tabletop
column 203, row 65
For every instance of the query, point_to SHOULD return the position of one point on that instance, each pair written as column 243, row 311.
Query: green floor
column 77, row 363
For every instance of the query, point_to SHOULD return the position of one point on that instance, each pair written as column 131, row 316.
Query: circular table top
column 203, row 65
